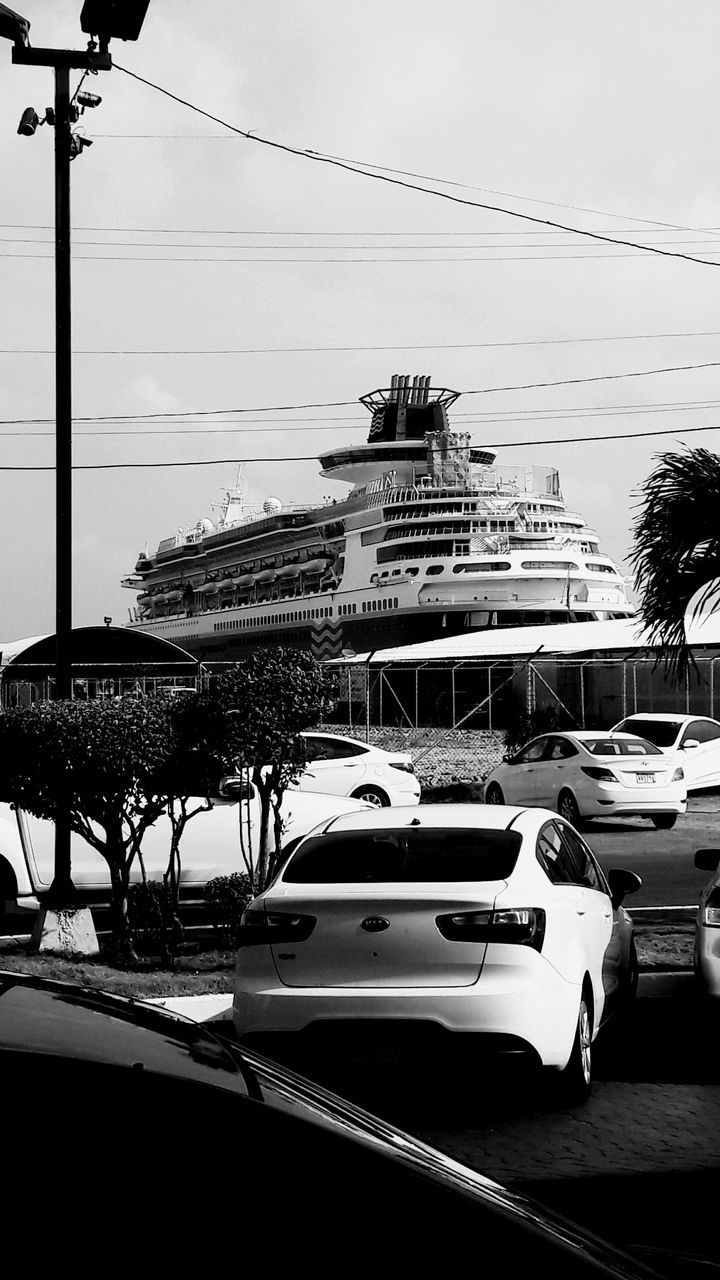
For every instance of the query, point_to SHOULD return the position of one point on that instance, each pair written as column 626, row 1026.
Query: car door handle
column 581, row 905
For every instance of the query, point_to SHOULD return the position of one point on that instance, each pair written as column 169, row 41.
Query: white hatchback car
column 584, row 773
column 345, row 767
column 706, row 954
column 695, row 740
column 496, row 924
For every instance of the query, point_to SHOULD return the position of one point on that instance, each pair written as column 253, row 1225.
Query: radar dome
column 271, row 506
column 205, row 525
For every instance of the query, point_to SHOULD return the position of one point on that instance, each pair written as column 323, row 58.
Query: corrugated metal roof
column 561, row 637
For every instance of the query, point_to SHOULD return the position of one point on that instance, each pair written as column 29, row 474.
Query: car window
column 621, row 747
column 560, row 749
column 701, row 731
column 411, row 855
column 662, row 732
column 554, row 856
column 589, row 872
column 533, row 751
column 331, row 749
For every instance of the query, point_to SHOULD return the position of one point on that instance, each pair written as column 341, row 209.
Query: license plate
column 645, row 777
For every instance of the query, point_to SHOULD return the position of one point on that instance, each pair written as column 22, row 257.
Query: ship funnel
column 408, row 409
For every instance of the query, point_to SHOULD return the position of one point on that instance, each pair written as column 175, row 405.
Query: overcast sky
column 238, row 276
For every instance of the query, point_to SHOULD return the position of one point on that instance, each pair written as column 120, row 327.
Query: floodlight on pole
column 121, row 19
column 14, row 27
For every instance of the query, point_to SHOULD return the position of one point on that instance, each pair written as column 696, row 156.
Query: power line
column 509, row 418
column 344, row 404
column 419, row 346
column 446, row 182
column 311, row 262
column 384, row 175
column 234, row 231
column 224, row 462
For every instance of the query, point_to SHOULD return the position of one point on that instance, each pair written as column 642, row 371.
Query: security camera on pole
column 61, row 924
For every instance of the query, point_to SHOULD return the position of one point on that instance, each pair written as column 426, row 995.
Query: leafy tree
column 253, row 717
column 94, row 762
column 530, row 724
column 676, row 553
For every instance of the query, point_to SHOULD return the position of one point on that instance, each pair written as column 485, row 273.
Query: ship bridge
column 406, row 416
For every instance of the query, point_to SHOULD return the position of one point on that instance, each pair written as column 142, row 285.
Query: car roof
column 668, row 716
column 590, row 735
column 485, row 816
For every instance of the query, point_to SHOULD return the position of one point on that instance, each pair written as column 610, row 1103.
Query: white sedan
column 345, row 767
column 706, row 955
column 495, row 924
column 695, row 740
column 210, row 845
column 588, row 774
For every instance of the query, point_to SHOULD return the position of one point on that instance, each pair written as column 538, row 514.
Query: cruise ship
column 434, row 537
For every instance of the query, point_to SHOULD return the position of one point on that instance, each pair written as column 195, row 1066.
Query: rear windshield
column 409, row 855
column 620, row 747
column 662, row 732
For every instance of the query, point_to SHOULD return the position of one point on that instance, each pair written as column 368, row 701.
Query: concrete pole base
column 65, row 931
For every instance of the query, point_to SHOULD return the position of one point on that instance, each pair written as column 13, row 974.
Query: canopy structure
column 613, row 636
column 103, row 660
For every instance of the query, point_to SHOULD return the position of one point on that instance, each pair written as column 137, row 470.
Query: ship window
column 412, row 572
column 490, row 566
column 548, row 564
column 433, row 569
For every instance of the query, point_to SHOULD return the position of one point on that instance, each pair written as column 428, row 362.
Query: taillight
column 600, row 775
column 710, row 914
column 678, row 775
column 398, row 764
column 259, row 926
column 524, row 926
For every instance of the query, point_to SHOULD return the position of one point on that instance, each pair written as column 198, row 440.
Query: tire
column 575, row 1080
column 372, row 795
column 494, row 794
column 664, row 821
column 567, row 807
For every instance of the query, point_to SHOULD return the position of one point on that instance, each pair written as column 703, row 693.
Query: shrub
column 226, row 898
column 153, row 920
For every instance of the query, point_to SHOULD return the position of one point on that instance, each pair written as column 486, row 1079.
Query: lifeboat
column 161, row 599
column 173, row 596
column 245, row 581
column 265, row 575
column 227, row 584
column 289, row 571
column 314, row 566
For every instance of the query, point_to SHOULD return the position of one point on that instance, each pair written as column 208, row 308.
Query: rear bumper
column 531, row 1010
column 633, row 805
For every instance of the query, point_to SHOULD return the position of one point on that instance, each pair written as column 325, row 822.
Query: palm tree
column 676, row 551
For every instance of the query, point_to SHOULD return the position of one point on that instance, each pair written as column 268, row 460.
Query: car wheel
column 494, row 794
column 567, row 807
column 372, row 795
column 575, row 1082
column 664, row 821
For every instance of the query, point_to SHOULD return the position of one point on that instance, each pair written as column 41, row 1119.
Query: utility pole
column 102, row 20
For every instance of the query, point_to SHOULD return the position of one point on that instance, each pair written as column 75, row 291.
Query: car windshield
column 662, row 732
column 410, row 855
column 621, row 747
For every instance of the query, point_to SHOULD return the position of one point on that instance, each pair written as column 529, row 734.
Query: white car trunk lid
column 380, row 936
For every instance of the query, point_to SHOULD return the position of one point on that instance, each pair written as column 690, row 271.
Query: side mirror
column 707, row 859
column 622, row 883
column 690, row 744
column 236, row 788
